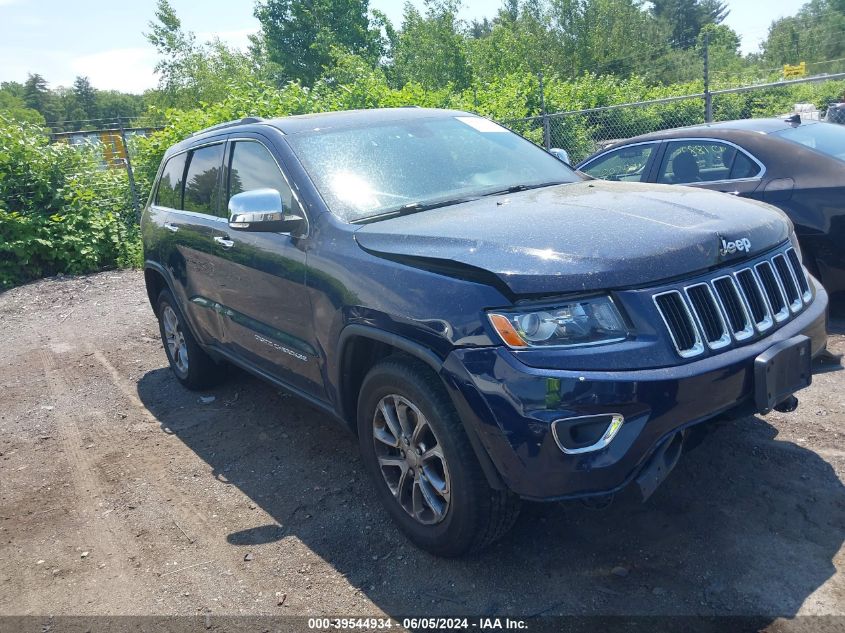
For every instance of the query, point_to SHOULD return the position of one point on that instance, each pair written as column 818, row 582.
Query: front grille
column 731, row 307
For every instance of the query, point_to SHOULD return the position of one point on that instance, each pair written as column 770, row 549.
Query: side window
column 744, row 167
column 626, row 163
column 253, row 167
column 704, row 161
column 202, row 182
column 169, row 192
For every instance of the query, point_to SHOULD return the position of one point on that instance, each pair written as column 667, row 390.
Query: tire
column 195, row 369
column 444, row 504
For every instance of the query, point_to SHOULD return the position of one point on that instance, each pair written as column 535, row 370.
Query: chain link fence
column 584, row 132
column 111, row 140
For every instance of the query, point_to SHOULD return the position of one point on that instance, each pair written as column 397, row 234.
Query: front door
column 267, row 319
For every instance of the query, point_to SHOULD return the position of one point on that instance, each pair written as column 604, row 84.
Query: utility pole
column 547, row 137
column 708, row 98
column 132, row 190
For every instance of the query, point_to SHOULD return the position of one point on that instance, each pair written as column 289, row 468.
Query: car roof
column 304, row 123
column 355, row 118
column 723, row 129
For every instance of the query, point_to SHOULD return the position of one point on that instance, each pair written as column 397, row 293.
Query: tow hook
column 660, row 465
column 787, row 406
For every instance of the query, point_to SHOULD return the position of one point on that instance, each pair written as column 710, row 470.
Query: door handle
column 171, row 227
column 224, row 241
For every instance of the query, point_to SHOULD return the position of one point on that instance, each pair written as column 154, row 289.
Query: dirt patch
column 123, row 493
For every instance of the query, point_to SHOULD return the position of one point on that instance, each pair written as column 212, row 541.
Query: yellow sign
column 791, row 72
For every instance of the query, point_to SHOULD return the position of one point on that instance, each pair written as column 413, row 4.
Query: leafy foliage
column 59, row 212
column 300, row 35
column 813, row 35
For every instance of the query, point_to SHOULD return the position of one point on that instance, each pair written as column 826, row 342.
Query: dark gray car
column 794, row 165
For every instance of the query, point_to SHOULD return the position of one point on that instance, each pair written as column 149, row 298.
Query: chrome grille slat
column 735, row 306
column 788, row 283
column 800, row 274
column 708, row 315
column 752, row 294
column 772, row 289
column 680, row 323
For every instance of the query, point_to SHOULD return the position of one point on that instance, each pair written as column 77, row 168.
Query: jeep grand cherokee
column 493, row 325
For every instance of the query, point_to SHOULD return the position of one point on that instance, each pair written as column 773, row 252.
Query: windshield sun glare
column 374, row 170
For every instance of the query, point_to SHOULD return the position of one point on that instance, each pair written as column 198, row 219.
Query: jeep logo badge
column 742, row 245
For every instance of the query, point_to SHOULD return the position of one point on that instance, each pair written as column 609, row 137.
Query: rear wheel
column 423, row 466
column 194, row 368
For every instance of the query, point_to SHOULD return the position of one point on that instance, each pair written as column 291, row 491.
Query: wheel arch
column 156, row 280
column 360, row 347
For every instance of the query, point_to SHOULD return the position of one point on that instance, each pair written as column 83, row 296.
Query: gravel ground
column 123, row 493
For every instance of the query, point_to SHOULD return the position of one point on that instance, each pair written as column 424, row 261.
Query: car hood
column 590, row 235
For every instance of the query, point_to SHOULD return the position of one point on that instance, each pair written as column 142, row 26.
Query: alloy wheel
column 175, row 339
column 411, row 460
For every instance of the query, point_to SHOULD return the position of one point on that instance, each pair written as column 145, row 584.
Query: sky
column 104, row 41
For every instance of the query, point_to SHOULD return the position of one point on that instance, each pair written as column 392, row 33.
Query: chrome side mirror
column 261, row 210
column 561, row 154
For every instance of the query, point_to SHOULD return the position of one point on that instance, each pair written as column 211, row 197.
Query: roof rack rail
column 221, row 126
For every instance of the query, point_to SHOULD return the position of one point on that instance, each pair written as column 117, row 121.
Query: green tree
column 814, row 35
column 299, row 35
column 189, row 72
column 85, row 97
column 13, row 106
column 521, row 40
column 431, row 49
column 37, row 96
column 685, row 18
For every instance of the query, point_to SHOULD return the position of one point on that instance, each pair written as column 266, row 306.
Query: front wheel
column 423, row 466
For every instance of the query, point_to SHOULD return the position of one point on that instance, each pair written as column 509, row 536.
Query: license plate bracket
column 782, row 370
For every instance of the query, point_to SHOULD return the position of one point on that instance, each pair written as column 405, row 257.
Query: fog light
column 586, row 434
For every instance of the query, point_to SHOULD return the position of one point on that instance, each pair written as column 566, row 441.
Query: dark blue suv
column 493, row 325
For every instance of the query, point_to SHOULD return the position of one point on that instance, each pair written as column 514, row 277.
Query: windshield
column 827, row 138
column 369, row 171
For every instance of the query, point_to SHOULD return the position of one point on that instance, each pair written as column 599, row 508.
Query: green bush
column 60, row 211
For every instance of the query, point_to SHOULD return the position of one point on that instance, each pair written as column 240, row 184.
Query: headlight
column 584, row 322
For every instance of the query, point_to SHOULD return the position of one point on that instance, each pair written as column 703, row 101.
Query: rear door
column 190, row 193
column 267, row 319
column 710, row 164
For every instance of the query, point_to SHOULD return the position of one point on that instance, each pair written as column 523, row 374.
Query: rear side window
column 627, row 164
column 169, row 193
column 202, row 182
column 687, row 162
column 253, row 167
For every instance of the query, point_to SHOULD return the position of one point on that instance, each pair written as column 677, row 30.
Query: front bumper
column 509, row 407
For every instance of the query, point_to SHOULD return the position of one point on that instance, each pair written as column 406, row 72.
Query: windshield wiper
column 413, row 207
column 416, row 207
column 516, row 188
